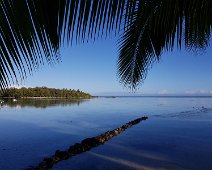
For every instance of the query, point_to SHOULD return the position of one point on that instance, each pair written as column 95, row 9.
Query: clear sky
column 91, row 67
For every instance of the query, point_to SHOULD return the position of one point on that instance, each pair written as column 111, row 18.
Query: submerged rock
column 84, row 146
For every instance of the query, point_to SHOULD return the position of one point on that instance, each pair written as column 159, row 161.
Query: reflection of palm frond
column 34, row 30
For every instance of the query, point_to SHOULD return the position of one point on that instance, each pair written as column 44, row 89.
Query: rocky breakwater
column 84, row 146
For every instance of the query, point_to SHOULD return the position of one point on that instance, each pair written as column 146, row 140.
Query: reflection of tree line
column 42, row 103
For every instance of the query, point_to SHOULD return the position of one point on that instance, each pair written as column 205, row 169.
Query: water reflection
column 41, row 103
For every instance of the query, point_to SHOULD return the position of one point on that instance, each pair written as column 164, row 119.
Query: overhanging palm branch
column 156, row 26
column 32, row 31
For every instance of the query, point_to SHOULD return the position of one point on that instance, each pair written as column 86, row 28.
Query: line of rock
column 84, row 146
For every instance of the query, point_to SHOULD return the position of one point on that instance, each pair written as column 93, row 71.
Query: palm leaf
column 33, row 30
column 152, row 27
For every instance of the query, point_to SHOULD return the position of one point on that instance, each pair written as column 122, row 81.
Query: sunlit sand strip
column 142, row 153
column 84, row 146
column 124, row 162
column 145, row 165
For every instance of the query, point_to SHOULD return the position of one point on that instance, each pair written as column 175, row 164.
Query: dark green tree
column 32, row 31
column 44, row 92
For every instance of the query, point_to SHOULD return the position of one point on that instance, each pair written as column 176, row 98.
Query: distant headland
column 44, row 92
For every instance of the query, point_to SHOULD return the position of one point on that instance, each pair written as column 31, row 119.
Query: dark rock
column 90, row 142
column 71, row 148
column 48, row 162
column 77, row 148
column 62, row 154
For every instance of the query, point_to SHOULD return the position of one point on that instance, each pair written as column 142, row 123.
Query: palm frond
column 32, row 32
column 155, row 26
column 137, row 50
column 23, row 44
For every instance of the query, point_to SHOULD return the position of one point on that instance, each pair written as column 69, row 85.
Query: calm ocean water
column 177, row 135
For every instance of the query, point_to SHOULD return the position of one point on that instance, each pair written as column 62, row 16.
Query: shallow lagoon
column 177, row 135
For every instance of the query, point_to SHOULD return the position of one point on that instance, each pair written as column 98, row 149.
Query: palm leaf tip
column 156, row 26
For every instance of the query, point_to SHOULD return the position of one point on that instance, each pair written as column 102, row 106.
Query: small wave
column 195, row 112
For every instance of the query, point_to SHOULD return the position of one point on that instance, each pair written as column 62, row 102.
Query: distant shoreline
column 47, row 97
column 158, row 96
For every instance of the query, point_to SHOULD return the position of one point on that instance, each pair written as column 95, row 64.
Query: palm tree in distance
column 32, row 32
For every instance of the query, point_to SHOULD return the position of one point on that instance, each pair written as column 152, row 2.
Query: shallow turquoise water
column 177, row 135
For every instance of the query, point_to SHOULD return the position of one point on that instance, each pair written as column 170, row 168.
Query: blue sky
column 91, row 67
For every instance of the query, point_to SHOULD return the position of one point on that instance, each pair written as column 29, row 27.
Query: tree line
column 43, row 92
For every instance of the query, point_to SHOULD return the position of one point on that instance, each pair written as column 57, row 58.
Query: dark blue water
column 177, row 135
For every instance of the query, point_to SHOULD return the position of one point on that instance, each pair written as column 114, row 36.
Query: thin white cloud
column 17, row 87
column 163, row 92
column 199, row 92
